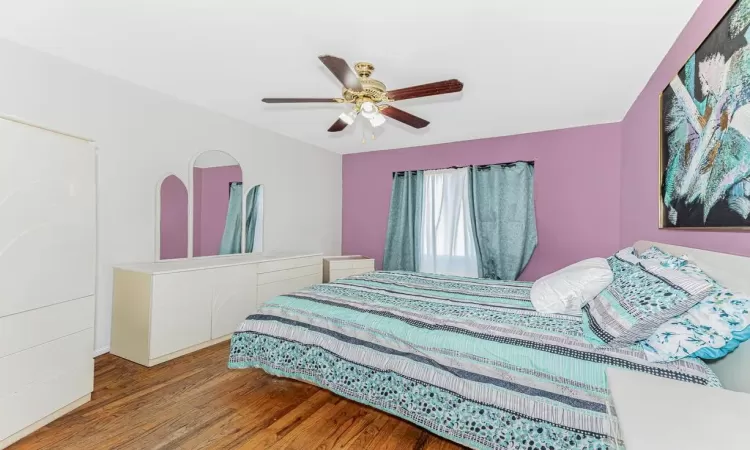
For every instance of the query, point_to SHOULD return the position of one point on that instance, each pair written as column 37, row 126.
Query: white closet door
column 47, row 218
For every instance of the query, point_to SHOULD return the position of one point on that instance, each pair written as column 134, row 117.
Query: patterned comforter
column 470, row 360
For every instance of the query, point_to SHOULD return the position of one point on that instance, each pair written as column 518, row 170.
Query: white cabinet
column 233, row 297
column 335, row 267
column 166, row 309
column 179, row 319
column 47, row 272
column 47, row 218
column 37, row 382
column 283, row 276
column 28, row 329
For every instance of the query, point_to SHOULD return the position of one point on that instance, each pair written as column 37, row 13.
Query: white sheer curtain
column 447, row 236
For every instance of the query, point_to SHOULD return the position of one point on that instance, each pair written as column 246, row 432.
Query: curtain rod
column 481, row 166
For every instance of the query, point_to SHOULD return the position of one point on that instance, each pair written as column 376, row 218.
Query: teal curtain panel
column 403, row 238
column 501, row 201
column 231, row 240
column 251, row 207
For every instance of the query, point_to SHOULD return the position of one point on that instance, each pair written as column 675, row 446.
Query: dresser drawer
column 335, row 267
column 334, row 275
column 349, row 262
column 271, row 290
column 37, row 382
column 288, row 274
column 31, row 328
column 291, row 263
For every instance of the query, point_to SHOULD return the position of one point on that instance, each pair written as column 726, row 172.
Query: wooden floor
column 195, row 402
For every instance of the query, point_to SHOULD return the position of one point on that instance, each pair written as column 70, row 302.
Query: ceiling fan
column 370, row 96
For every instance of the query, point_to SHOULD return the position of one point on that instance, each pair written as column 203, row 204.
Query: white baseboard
column 101, row 351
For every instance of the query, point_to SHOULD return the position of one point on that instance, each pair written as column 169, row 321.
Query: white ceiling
column 526, row 65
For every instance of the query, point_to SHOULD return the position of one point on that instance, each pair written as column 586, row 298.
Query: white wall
column 143, row 135
column 214, row 159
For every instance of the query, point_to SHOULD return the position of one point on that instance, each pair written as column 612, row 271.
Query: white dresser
column 166, row 309
column 47, row 274
column 335, row 267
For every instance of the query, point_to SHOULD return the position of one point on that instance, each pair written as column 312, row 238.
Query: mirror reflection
column 254, row 223
column 173, row 219
column 217, row 204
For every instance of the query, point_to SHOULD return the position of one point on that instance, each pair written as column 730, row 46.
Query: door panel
column 234, row 292
column 47, row 218
column 181, row 311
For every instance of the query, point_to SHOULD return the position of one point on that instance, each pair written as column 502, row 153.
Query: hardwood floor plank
column 353, row 432
column 323, row 432
column 403, row 436
column 370, row 431
column 305, row 433
column 196, row 402
column 282, row 427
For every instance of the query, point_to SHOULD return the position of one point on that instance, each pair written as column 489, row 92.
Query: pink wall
column 596, row 188
column 211, row 198
column 640, row 150
column 576, row 184
column 174, row 219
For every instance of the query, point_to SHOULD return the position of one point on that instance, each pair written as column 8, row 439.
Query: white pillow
column 568, row 290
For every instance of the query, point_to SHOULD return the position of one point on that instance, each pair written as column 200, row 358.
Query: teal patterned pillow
column 665, row 259
column 643, row 295
column 714, row 327
column 654, row 252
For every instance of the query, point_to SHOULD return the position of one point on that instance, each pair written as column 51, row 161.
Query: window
column 447, row 245
column 476, row 221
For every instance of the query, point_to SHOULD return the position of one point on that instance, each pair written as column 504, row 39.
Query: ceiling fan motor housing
column 372, row 90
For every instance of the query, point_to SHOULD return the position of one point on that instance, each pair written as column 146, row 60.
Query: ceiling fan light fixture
column 377, row 120
column 369, row 110
column 348, row 117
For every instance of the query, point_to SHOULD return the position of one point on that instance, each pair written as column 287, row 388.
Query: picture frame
column 704, row 142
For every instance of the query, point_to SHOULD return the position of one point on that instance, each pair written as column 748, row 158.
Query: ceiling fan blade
column 404, row 117
column 302, row 100
column 426, row 90
column 342, row 71
column 338, row 125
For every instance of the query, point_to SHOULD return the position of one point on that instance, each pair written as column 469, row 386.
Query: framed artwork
column 704, row 158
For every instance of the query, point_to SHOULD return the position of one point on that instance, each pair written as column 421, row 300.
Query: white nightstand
column 335, row 267
column 664, row 414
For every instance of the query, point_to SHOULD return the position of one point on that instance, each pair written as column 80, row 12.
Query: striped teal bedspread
column 467, row 359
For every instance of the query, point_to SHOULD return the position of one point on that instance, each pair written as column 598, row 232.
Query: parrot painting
column 706, row 130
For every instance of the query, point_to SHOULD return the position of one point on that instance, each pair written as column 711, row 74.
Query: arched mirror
column 173, row 219
column 254, row 222
column 217, row 204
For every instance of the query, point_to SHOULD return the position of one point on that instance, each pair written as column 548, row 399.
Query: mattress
column 467, row 359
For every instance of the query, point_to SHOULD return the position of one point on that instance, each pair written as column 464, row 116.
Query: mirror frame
column 190, row 199
column 190, row 188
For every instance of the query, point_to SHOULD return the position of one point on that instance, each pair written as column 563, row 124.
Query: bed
column 467, row 359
